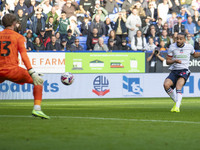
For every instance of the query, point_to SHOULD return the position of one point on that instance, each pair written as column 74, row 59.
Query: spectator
column 53, row 45
column 150, row 46
column 38, row 46
column 192, row 9
column 111, row 45
column 190, row 26
column 70, row 39
column 46, row 6
column 38, row 22
column 92, row 39
column 189, row 40
column 5, row 9
column 101, row 12
column 32, row 6
column 164, row 37
column 97, row 23
column 49, row 27
column 133, row 24
column 110, row 6
column 155, row 61
column 30, row 36
column 146, row 26
column 163, row 9
column 124, row 45
column 197, row 44
column 58, row 37
column 140, row 10
column 138, row 42
column 184, row 14
column 63, row 44
column 76, row 46
column 154, row 36
column 22, row 6
column 64, row 24
column 196, row 17
column 109, row 26
column 10, row 4
column 120, row 25
column 85, row 26
column 93, row 9
column 85, row 5
column 22, row 19
column 74, row 28
column 70, row 8
column 116, row 39
column 42, row 37
column 174, row 37
column 159, row 27
column 29, row 45
column 179, row 27
column 162, row 46
column 176, row 7
column 165, row 27
column 53, row 14
column 127, row 4
column 172, row 21
column 151, row 12
column 100, row 46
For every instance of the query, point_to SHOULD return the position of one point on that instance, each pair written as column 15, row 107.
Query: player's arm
column 170, row 61
column 196, row 54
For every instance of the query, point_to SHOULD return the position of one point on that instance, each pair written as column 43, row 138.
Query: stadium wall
column 101, row 86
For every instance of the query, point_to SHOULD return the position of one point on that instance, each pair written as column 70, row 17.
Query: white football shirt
column 180, row 53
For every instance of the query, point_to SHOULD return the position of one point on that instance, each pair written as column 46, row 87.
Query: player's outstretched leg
column 37, row 93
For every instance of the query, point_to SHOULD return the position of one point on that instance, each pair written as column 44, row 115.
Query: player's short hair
column 8, row 20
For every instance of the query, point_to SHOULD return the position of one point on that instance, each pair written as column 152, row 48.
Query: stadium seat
column 82, row 39
column 106, row 39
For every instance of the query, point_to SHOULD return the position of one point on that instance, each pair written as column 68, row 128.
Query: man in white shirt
column 178, row 57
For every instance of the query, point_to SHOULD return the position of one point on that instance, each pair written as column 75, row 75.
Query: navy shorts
column 176, row 74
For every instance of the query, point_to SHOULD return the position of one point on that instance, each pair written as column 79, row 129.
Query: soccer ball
column 67, row 78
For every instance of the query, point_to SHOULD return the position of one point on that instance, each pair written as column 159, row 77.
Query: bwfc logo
column 101, row 84
column 132, row 86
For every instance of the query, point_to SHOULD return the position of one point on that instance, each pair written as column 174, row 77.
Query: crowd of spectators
column 104, row 25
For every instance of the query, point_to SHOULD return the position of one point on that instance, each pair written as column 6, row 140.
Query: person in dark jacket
column 179, row 27
column 21, row 5
column 70, row 38
column 197, row 44
column 111, row 45
column 109, row 26
column 76, row 46
column 53, row 45
column 38, row 46
column 85, row 26
column 92, row 39
column 124, row 45
column 151, row 12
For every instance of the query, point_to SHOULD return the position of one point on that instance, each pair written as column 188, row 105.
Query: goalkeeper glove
column 37, row 80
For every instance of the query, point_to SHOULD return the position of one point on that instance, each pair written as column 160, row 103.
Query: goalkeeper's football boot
column 39, row 113
column 173, row 108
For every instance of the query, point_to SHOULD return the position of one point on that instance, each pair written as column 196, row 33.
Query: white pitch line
column 111, row 119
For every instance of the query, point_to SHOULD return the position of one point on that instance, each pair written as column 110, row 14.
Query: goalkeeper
column 10, row 44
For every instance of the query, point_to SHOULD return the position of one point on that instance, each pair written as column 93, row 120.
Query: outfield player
column 10, row 44
column 178, row 57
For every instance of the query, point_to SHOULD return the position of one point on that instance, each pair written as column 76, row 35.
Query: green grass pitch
column 101, row 124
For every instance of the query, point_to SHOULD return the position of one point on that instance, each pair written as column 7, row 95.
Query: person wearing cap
column 42, row 36
column 110, row 6
column 155, row 61
column 101, row 46
column 111, row 45
column 124, row 45
column 63, row 44
column 76, row 46
column 70, row 8
column 133, row 23
column 70, row 38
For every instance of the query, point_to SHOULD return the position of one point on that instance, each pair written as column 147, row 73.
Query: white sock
column 178, row 98
column 172, row 94
column 37, row 107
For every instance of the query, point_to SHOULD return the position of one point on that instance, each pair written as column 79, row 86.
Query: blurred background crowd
column 104, row 25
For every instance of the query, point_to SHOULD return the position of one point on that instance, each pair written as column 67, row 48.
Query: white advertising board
column 100, row 86
column 46, row 62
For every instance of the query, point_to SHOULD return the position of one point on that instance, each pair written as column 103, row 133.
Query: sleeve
column 23, row 53
column 192, row 50
column 169, row 52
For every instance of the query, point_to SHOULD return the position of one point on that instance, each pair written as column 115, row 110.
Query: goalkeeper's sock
column 37, row 93
column 178, row 98
column 172, row 94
